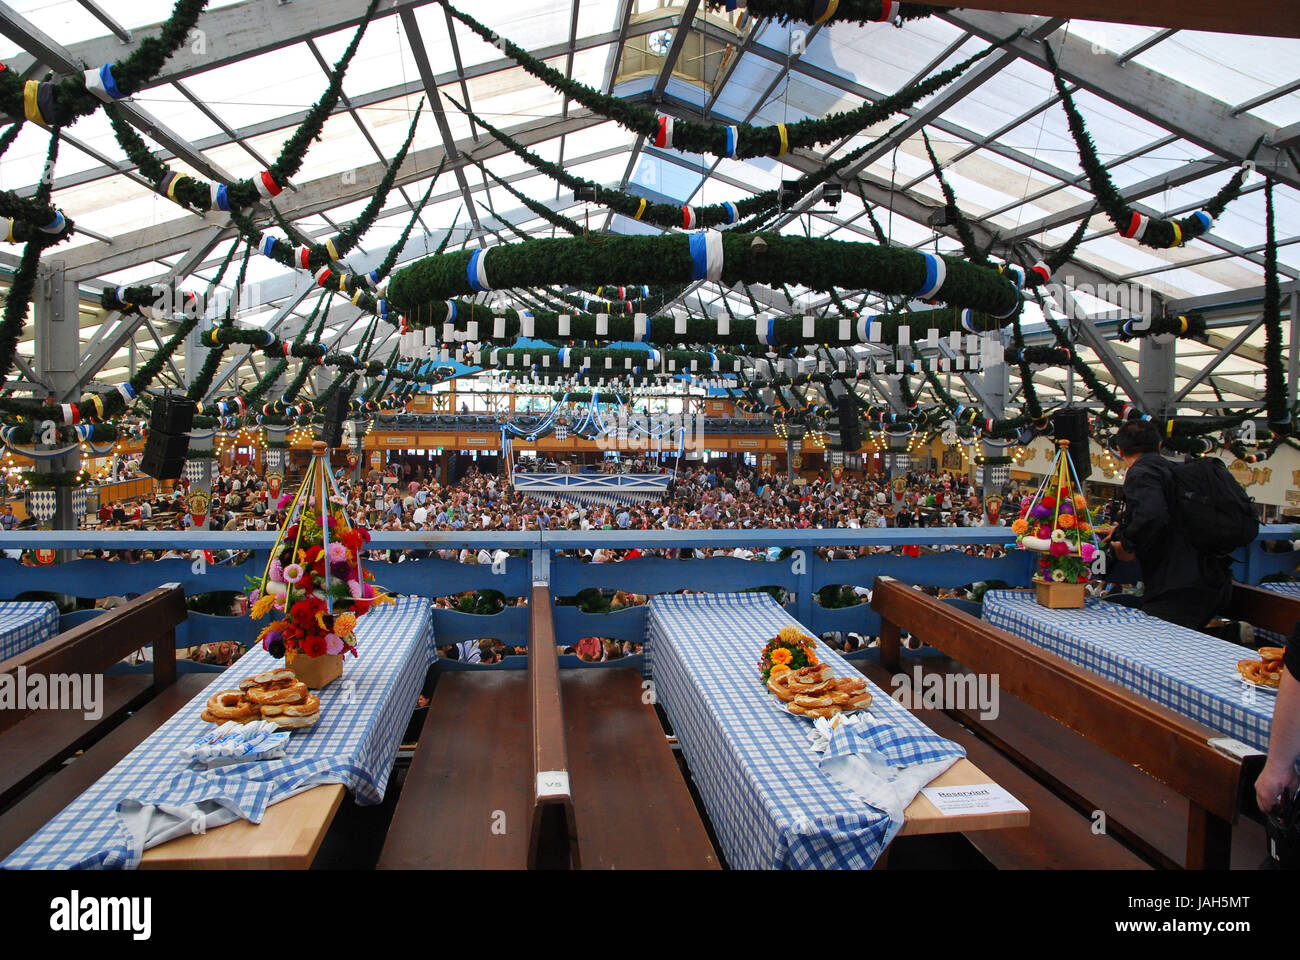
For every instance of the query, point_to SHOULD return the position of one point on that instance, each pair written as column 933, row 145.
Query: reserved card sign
column 972, row 798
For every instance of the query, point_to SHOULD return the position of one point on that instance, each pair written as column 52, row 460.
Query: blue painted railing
column 540, row 556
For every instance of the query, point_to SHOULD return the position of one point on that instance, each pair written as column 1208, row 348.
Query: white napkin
column 881, row 784
column 238, row 743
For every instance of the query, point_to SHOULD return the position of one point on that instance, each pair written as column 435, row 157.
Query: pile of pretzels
column 277, row 696
column 1267, row 670
column 815, row 691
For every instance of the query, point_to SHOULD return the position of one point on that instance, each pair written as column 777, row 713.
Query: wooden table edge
column 922, row 818
column 235, row 846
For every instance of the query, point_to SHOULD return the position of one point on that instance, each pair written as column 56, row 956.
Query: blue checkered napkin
column 363, row 717
column 1185, row 670
column 770, row 804
column 894, row 745
column 24, row 624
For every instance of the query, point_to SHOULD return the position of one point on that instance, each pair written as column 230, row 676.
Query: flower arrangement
column 1057, row 523
column 788, row 650
column 314, row 582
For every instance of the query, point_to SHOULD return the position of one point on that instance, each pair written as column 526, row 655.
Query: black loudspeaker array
column 168, row 440
column 843, row 429
column 1072, row 424
column 336, row 411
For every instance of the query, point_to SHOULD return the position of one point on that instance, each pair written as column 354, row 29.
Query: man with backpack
column 1181, row 522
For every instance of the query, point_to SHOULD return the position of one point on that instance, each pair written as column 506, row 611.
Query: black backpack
column 1213, row 510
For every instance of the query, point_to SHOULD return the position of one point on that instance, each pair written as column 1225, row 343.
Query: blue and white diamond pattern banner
column 79, row 501
column 196, row 470
column 42, row 504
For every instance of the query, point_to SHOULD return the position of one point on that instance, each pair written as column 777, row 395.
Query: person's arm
column 1283, row 746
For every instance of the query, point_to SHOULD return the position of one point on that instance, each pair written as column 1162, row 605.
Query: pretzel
column 780, row 686
column 280, row 676
column 303, row 709
column 1252, row 670
column 295, row 721
column 230, row 705
column 826, row 712
column 290, row 693
column 1271, row 653
column 809, row 703
column 812, row 689
column 848, row 684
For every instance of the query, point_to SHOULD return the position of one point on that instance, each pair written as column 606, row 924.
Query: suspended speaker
column 1072, row 424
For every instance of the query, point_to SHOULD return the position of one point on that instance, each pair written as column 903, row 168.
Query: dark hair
column 1139, row 436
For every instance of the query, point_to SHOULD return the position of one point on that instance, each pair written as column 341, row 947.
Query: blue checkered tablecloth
column 1291, row 588
column 769, row 803
column 363, row 717
column 1187, row 671
column 24, row 624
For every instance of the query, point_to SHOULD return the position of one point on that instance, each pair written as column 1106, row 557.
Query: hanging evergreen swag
column 1275, row 391
column 28, row 219
column 201, row 196
column 741, row 141
column 683, row 217
column 828, row 11
column 729, row 258
column 1148, row 231
column 19, row 298
column 59, row 102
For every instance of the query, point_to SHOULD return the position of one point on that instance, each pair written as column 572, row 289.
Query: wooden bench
column 1165, row 746
column 468, row 802
column 602, row 788
column 35, row 743
column 633, row 808
column 1058, row 837
column 1278, row 612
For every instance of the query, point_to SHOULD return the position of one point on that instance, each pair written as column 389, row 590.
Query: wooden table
column 922, row 818
column 288, row 838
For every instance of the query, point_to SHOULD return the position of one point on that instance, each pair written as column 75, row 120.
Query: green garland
column 23, row 285
column 197, row 194
column 692, row 137
column 828, row 11
column 964, row 232
column 1275, row 389
column 1150, row 232
column 203, row 379
column 769, row 258
column 636, row 207
column 60, row 102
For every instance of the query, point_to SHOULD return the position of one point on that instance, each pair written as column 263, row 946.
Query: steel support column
column 56, row 309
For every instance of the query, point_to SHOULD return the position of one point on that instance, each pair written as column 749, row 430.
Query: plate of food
column 814, row 691
column 1264, row 673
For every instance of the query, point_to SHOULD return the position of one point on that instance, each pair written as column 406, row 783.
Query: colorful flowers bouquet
column 314, row 582
column 1057, row 523
column 789, row 650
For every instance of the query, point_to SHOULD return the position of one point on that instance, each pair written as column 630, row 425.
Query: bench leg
column 891, row 643
column 1209, row 840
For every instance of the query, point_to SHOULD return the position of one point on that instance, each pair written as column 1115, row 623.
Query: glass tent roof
column 1003, row 141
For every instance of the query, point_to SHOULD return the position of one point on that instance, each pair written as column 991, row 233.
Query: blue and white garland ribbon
column 103, row 84
column 733, row 139
column 476, row 270
column 967, row 318
column 706, row 255
column 936, row 272
column 733, row 214
column 219, row 196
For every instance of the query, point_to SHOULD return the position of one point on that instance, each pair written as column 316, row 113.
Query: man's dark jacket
column 1182, row 585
